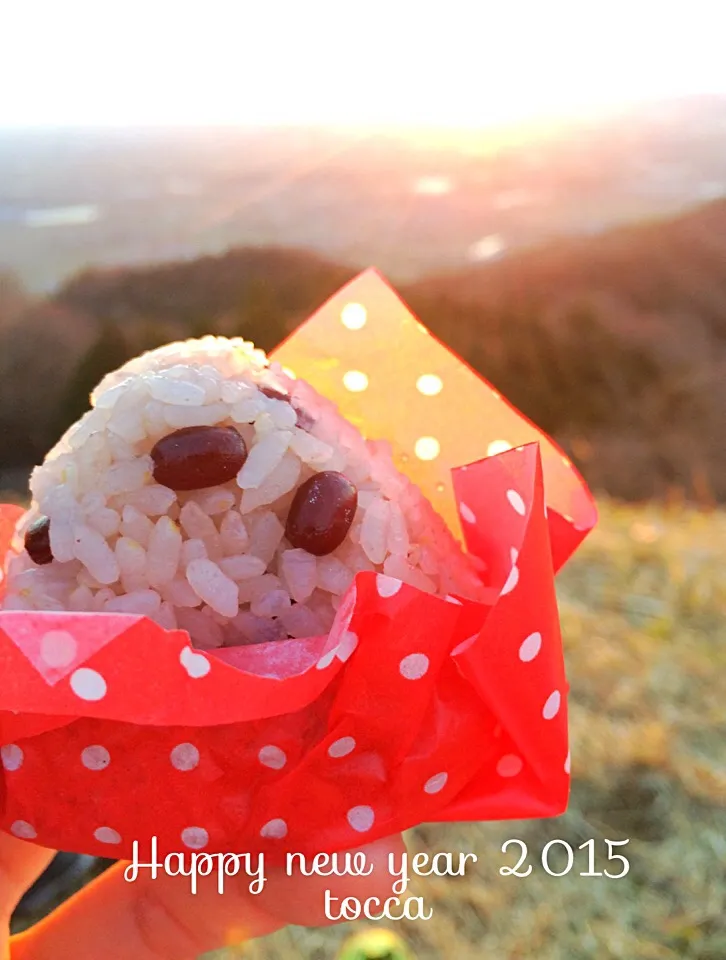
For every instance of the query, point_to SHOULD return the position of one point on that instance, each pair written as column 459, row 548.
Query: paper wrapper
column 414, row 708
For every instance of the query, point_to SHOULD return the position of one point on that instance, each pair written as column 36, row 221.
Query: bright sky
column 451, row 62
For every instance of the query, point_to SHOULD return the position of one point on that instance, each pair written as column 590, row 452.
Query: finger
column 145, row 920
column 21, row 863
column 149, row 919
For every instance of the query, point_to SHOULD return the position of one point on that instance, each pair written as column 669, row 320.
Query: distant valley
column 410, row 202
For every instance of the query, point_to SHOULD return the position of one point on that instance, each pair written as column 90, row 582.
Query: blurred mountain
column 615, row 344
column 672, row 265
column 264, row 292
column 410, row 202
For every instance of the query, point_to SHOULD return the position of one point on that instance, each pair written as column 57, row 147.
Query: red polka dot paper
column 414, row 709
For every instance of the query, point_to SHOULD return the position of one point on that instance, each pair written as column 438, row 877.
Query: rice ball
column 208, row 490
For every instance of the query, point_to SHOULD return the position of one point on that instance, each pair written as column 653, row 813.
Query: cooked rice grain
column 215, row 562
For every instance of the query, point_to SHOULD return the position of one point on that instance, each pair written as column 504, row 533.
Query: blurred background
column 545, row 185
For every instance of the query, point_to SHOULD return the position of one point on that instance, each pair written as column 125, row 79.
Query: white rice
column 215, row 562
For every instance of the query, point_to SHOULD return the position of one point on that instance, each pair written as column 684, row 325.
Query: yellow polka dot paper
column 366, row 351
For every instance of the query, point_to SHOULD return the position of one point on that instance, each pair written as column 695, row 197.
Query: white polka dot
column 274, row 829
column 196, row 838
column 387, row 586
column 361, row 818
column 530, row 647
column 355, row 380
column 429, row 384
column 95, row 757
column 195, row 664
column 427, row 448
column 511, row 582
column 272, row 757
column 464, row 645
column 347, row 645
column 184, row 757
column 88, row 684
column 107, row 835
column 436, row 783
column 467, row 513
column 509, row 765
column 498, row 446
column 327, row 658
column 289, row 373
column 58, row 648
column 452, row 599
column 342, row 747
column 552, row 705
column 516, row 502
column 12, row 756
column 567, row 763
column 514, row 554
column 414, row 666
column 353, row 316
column 23, row 830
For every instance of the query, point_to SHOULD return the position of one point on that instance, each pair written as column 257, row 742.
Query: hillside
column 672, row 267
column 614, row 344
column 261, row 291
column 637, row 320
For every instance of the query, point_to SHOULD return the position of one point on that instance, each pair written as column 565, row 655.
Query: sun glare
column 455, row 64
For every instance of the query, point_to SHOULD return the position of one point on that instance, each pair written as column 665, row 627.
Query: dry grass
column 645, row 633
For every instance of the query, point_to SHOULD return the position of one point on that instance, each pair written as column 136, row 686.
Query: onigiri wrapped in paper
column 230, row 622
column 209, row 491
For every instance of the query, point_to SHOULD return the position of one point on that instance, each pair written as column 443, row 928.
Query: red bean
column 305, row 420
column 322, row 513
column 37, row 541
column 197, row 457
column 275, row 393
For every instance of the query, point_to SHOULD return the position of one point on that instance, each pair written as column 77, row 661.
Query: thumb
column 299, row 899
column 21, row 863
